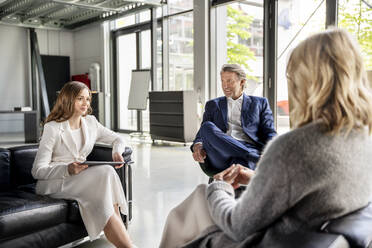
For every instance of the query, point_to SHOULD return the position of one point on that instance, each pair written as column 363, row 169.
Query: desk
column 30, row 125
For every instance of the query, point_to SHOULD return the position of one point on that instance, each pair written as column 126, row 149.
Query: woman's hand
column 235, row 175
column 117, row 157
column 244, row 177
column 75, row 168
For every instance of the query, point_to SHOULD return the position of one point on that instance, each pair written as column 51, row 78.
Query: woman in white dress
column 68, row 137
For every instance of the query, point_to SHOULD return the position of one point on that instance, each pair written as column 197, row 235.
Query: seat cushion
column 23, row 212
column 355, row 227
column 50, row 237
column 73, row 212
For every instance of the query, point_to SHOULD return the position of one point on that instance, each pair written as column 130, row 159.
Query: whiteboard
column 139, row 89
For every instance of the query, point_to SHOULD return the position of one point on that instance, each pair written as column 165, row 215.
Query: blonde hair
column 327, row 82
column 64, row 108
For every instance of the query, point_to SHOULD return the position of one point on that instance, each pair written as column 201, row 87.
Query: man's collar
column 240, row 99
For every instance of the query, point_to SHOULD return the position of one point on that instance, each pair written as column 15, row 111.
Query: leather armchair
column 30, row 220
column 353, row 230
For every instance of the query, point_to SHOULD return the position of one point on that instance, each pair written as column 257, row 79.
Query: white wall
column 15, row 77
column 58, row 43
column 88, row 48
column 14, row 69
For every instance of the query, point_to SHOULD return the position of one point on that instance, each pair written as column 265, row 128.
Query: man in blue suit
column 235, row 127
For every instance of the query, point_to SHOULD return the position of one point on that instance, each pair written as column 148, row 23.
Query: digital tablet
column 94, row 163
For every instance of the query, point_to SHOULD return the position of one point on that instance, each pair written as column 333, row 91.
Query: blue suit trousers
column 223, row 150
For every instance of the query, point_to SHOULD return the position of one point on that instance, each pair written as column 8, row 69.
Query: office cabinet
column 173, row 115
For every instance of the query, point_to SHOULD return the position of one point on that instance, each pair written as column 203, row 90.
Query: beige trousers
column 186, row 221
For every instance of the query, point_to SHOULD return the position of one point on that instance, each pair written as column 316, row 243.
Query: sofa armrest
column 356, row 227
column 104, row 153
column 305, row 240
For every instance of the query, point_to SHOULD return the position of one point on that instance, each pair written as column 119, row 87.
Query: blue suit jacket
column 256, row 118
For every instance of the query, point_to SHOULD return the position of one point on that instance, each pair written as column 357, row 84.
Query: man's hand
column 75, row 168
column 199, row 153
column 235, row 175
column 117, row 157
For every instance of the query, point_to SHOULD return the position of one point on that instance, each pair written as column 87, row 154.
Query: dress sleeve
column 108, row 136
column 42, row 168
column 266, row 198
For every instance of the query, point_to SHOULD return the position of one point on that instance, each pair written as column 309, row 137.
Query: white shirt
column 77, row 136
column 234, row 111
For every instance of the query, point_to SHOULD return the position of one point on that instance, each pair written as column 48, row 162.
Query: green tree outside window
column 238, row 24
column 356, row 17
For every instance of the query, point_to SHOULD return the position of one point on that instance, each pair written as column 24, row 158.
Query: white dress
column 96, row 197
column 96, row 189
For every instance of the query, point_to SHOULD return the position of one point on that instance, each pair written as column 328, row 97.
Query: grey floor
column 163, row 175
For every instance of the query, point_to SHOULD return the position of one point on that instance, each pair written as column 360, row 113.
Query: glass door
column 126, row 62
column 133, row 52
column 145, row 63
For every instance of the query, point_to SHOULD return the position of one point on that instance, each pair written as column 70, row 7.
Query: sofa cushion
column 22, row 159
column 4, row 169
column 356, row 227
column 73, row 212
column 54, row 236
column 23, row 212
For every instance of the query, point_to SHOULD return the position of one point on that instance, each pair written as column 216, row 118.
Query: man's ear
column 242, row 83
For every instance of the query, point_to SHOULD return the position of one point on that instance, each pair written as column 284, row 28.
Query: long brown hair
column 327, row 81
column 63, row 109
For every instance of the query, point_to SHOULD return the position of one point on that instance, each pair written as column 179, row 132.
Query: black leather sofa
column 30, row 220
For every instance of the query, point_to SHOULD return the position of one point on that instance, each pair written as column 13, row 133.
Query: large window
column 239, row 40
column 177, row 6
column 296, row 21
column 175, row 59
column 180, row 51
column 158, row 84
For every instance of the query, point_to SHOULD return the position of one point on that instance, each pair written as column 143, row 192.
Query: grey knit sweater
column 303, row 179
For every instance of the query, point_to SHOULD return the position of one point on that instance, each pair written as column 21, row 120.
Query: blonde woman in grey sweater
column 319, row 171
